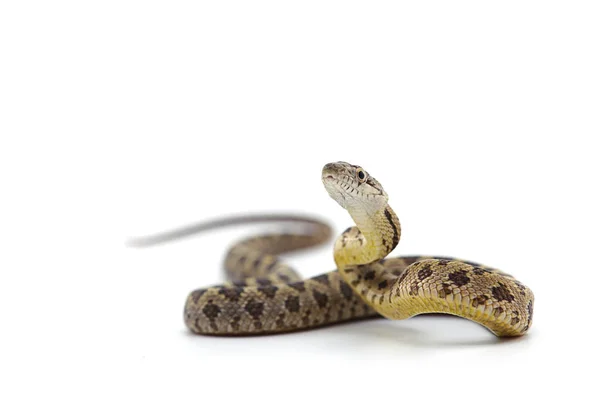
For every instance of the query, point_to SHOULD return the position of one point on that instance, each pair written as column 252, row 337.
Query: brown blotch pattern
column 292, row 304
column 459, row 277
column 254, row 308
column 346, row 290
column 320, row 298
column 501, row 293
column 231, row 293
column 424, row 272
column 370, row 275
column 211, row 311
column 268, row 290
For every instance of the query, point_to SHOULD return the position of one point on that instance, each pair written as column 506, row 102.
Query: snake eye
column 362, row 176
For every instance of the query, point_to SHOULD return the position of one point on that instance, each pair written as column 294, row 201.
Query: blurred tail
column 201, row 227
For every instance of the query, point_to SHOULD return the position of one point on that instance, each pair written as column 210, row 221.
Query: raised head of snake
column 378, row 228
column 487, row 296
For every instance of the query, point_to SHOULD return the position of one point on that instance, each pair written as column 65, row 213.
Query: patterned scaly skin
column 266, row 296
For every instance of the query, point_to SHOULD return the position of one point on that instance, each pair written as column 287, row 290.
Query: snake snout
column 331, row 170
column 328, row 169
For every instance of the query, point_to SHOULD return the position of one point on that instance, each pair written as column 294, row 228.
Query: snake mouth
column 331, row 181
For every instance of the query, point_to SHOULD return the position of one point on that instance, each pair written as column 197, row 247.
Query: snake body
column 264, row 295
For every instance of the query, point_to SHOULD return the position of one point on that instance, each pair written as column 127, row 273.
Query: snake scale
column 264, row 295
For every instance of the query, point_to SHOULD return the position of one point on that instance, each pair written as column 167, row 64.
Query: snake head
column 353, row 188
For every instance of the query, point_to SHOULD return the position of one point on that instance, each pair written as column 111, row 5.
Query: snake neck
column 358, row 249
column 373, row 238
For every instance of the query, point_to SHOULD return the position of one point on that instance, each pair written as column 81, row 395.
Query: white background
column 123, row 118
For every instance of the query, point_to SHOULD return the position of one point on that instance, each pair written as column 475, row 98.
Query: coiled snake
column 265, row 295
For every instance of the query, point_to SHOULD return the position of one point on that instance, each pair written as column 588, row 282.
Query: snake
column 264, row 295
